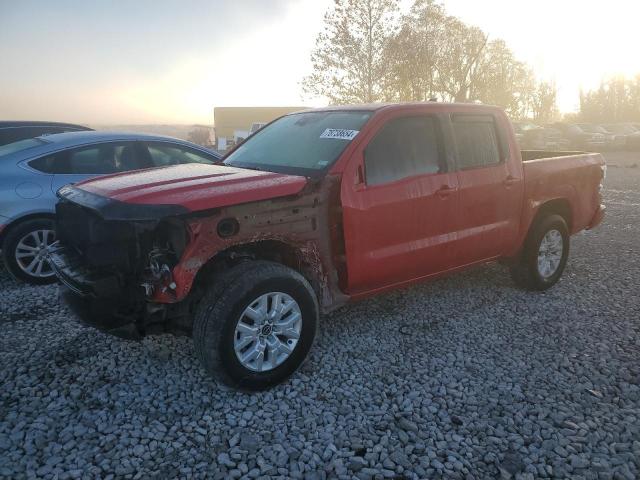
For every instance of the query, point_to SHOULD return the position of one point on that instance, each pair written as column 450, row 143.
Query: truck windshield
column 302, row 143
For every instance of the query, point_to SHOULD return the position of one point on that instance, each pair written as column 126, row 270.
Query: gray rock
column 435, row 381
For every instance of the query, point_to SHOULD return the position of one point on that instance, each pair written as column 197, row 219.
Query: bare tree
column 364, row 55
column 349, row 64
column 200, row 136
column 415, row 53
column 543, row 102
column 500, row 79
column 461, row 56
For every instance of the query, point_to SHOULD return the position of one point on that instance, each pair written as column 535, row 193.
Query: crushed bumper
column 99, row 314
column 97, row 299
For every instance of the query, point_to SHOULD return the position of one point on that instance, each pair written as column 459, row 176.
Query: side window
column 44, row 164
column 94, row 160
column 403, row 148
column 16, row 134
column 163, row 154
column 476, row 140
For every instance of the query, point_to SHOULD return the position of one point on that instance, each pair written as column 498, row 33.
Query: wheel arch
column 25, row 218
column 558, row 206
column 297, row 257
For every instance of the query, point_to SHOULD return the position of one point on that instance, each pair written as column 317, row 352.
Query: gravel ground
column 466, row 377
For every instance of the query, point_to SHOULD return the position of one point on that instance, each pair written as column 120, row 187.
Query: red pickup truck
column 316, row 209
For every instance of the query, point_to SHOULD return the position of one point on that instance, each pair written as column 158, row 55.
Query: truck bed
column 529, row 155
column 574, row 177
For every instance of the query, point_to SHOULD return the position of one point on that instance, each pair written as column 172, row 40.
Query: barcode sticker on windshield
column 340, row 133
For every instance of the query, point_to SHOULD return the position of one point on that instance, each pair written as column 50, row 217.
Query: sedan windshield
column 302, row 143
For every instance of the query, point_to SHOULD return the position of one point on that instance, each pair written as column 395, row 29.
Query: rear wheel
column 256, row 325
column 25, row 250
column 544, row 255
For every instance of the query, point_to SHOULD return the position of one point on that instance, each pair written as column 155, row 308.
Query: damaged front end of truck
column 138, row 269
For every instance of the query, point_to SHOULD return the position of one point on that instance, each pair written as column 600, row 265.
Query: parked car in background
column 529, row 136
column 554, row 140
column 579, row 139
column 317, row 209
column 14, row 131
column 32, row 170
column 613, row 141
column 627, row 131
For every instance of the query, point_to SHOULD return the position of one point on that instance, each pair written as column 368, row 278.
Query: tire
column 23, row 239
column 223, row 311
column 528, row 272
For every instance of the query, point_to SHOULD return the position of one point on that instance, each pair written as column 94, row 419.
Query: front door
column 399, row 219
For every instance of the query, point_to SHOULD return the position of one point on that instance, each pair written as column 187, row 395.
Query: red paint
column 358, row 240
column 404, row 232
column 195, row 186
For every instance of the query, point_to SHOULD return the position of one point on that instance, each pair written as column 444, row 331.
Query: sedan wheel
column 32, row 251
column 25, row 250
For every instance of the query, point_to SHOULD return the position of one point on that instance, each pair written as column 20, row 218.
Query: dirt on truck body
column 314, row 210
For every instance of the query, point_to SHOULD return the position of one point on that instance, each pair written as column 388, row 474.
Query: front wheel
column 25, row 251
column 256, row 325
column 544, row 255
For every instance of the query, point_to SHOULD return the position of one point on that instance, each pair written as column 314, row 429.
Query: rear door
column 490, row 187
column 399, row 211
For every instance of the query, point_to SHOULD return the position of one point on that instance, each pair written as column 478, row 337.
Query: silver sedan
column 32, row 171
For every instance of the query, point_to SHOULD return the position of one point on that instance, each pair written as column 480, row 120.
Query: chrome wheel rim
column 267, row 332
column 550, row 253
column 32, row 253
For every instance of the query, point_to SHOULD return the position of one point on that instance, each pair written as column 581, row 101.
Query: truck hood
column 194, row 186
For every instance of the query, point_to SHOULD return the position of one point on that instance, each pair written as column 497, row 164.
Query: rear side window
column 14, row 134
column 44, row 164
column 20, row 145
column 94, row 160
column 403, row 148
column 477, row 141
column 163, row 155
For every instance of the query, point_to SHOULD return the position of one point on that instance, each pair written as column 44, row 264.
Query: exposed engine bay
column 132, row 270
column 120, row 264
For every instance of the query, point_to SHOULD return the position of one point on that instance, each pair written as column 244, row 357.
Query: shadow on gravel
column 31, row 314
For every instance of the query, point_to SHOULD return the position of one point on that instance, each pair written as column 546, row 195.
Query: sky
column 171, row 61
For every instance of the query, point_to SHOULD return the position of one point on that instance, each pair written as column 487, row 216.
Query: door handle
column 445, row 190
column 509, row 181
